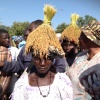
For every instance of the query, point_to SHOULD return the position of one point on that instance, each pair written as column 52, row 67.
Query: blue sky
column 30, row 10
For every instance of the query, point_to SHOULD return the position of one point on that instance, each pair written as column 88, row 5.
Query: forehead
column 4, row 35
column 32, row 26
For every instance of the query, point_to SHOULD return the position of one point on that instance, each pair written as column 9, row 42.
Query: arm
column 92, row 86
column 16, row 66
column 5, row 85
column 12, row 67
column 20, row 57
column 24, row 59
column 90, row 79
column 60, row 64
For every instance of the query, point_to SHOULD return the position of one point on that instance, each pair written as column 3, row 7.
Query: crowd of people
column 46, row 67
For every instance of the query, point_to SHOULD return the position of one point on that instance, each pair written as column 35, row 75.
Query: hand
column 1, row 63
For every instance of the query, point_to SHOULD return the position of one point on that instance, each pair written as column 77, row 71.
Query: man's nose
column 43, row 62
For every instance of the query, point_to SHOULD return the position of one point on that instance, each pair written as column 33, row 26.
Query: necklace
column 40, row 89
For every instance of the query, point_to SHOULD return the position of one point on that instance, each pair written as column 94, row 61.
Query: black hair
column 37, row 22
column 2, row 31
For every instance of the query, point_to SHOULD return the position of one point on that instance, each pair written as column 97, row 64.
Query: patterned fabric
column 60, row 89
column 18, row 38
column 79, row 66
column 92, row 31
column 5, row 55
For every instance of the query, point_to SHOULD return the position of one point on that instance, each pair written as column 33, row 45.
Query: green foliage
column 80, row 22
column 61, row 27
column 84, row 21
column 18, row 27
column 4, row 27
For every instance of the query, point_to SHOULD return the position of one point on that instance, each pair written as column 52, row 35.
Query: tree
column 89, row 19
column 61, row 27
column 4, row 27
column 80, row 22
column 18, row 27
column 86, row 20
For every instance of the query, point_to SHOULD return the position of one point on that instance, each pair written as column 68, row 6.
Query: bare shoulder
column 32, row 76
column 32, row 79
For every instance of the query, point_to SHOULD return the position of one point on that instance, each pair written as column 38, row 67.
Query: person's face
column 17, row 42
column 31, row 28
column 68, row 47
column 82, row 41
column 5, row 40
column 42, row 65
column 26, row 34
